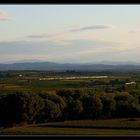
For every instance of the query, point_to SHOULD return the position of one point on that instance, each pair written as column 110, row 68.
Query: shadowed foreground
column 82, row 127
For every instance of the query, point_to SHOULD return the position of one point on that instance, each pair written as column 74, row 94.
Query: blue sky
column 70, row 33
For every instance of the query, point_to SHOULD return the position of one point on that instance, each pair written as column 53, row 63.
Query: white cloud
column 4, row 16
column 39, row 36
column 134, row 31
column 60, row 37
column 80, row 50
column 91, row 27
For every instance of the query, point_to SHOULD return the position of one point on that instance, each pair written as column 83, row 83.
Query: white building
column 131, row 83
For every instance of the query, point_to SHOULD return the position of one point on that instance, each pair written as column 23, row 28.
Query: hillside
column 50, row 66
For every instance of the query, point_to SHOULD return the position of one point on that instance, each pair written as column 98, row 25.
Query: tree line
column 28, row 108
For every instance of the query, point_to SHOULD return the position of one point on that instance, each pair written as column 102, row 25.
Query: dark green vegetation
column 34, row 97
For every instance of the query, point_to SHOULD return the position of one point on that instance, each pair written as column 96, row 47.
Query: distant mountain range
column 51, row 66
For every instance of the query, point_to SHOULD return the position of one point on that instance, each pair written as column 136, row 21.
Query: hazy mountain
column 87, row 63
column 118, row 63
column 51, row 66
column 21, row 61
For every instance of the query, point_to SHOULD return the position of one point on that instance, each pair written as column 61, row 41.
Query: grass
column 79, row 127
column 66, row 131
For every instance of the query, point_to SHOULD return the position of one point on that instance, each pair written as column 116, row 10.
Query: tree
column 126, row 105
column 19, row 107
column 74, row 109
column 58, row 100
column 92, row 106
column 32, row 106
column 50, row 112
column 109, row 105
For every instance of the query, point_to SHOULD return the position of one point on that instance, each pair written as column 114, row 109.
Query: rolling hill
column 51, row 66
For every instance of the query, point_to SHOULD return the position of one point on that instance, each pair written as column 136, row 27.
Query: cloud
column 39, row 36
column 68, row 33
column 43, row 35
column 75, row 51
column 59, row 37
column 134, row 31
column 91, row 27
column 4, row 16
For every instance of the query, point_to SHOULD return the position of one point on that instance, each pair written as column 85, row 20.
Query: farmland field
column 82, row 127
column 24, row 80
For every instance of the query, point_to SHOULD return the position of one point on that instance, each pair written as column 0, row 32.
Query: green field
column 30, row 81
column 79, row 127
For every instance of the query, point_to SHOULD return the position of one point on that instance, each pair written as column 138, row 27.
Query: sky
column 70, row 33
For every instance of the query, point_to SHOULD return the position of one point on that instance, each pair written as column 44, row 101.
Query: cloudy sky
column 70, row 33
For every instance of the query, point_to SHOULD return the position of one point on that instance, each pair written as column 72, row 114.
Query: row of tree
column 28, row 108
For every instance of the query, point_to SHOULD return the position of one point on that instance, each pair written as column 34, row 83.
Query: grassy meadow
column 79, row 127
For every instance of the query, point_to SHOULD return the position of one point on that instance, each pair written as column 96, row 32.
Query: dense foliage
column 20, row 108
column 39, row 101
